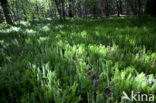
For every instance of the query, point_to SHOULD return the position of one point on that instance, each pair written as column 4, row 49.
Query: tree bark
column 151, row 7
column 139, row 7
column 106, row 8
column 119, row 7
column 63, row 9
column 6, row 11
column 70, row 8
column 139, row 11
column 1, row 17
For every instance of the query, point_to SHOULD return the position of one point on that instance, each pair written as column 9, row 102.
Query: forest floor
column 78, row 60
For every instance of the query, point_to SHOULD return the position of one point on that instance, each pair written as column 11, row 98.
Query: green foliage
column 91, row 60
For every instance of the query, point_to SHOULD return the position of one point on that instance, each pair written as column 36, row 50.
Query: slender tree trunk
column 85, row 9
column 1, row 17
column 139, row 11
column 6, row 11
column 120, row 3
column 119, row 7
column 70, row 8
column 80, row 10
column 127, row 8
column 106, row 8
column 63, row 9
column 139, row 7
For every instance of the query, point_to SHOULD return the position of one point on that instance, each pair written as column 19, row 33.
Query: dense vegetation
column 77, row 51
column 77, row 60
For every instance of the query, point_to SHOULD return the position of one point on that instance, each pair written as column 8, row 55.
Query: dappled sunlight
column 24, row 23
column 84, row 34
column 77, row 51
column 81, row 54
column 30, row 31
column 42, row 39
column 45, row 28
column 12, row 29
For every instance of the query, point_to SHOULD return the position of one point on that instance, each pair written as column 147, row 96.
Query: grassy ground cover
column 77, row 61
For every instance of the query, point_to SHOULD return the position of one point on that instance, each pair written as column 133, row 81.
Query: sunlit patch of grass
column 24, row 23
column 3, row 25
column 30, row 31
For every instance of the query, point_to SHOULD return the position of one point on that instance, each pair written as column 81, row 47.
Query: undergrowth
column 77, row 61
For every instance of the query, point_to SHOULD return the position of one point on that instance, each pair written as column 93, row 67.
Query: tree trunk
column 151, row 7
column 70, row 9
column 106, row 8
column 139, row 7
column 6, row 11
column 119, row 7
column 1, row 17
column 63, row 9
column 139, row 11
